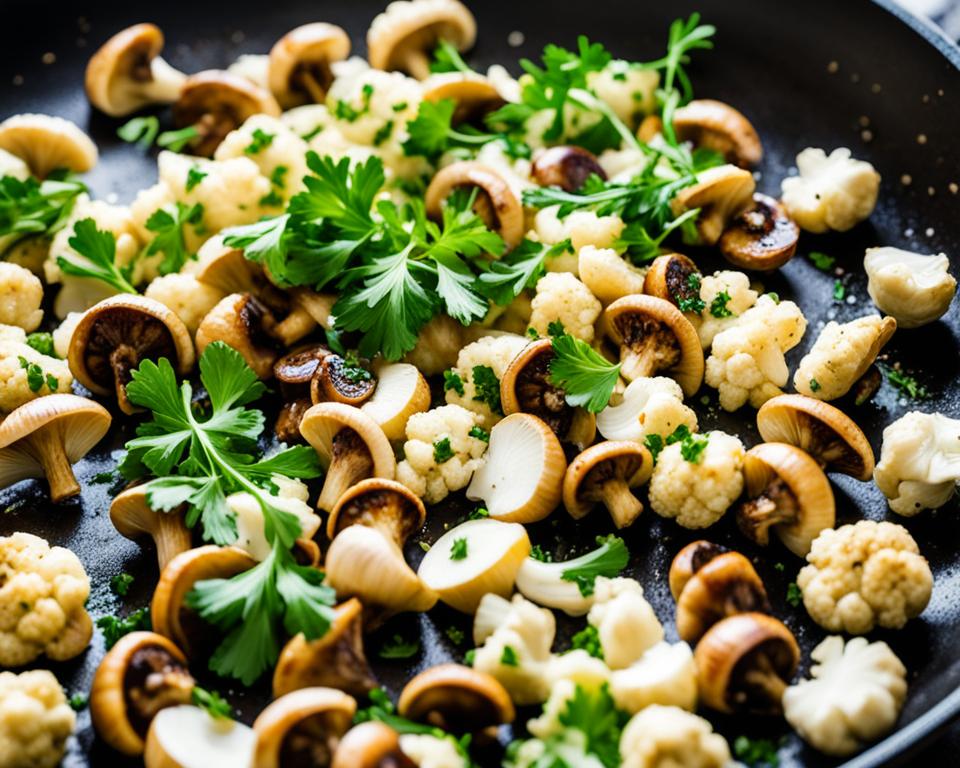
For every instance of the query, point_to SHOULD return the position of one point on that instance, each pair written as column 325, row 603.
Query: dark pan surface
column 817, row 73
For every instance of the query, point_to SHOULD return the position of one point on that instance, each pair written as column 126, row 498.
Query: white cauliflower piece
column 11, row 165
column 854, row 697
column 608, row 275
column 665, row 674
column 865, row 575
column 669, row 737
column 726, row 291
column 283, row 160
column 28, row 252
column 21, row 294
column 25, row 373
column 625, row 622
column 648, row 406
column 254, row 67
column 515, row 171
column 919, row 463
column 746, row 362
column 440, row 454
column 35, row 720
column 64, row 332
column 307, row 121
column 581, row 228
column 42, row 601
column 514, row 638
column 834, row 191
column 628, row 89
column 622, row 165
column 561, row 297
column 428, row 751
column 697, row 493
column 187, row 297
column 291, row 497
column 912, row 288
column 840, row 355
column 478, row 371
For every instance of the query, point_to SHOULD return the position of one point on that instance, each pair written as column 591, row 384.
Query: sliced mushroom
column 605, row 474
column 725, row 585
column 371, row 745
column 242, row 322
column 404, row 36
column 762, row 238
column 44, row 437
column 831, row 437
column 714, row 125
column 336, row 659
column 189, row 737
column 721, row 193
column 456, row 699
column 127, row 72
column 114, row 336
column 525, row 387
column 655, row 338
column 47, row 143
column 338, row 381
column 567, row 167
column 744, row 664
column 520, row 440
column 689, row 560
column 216, row 102
column 294, row 371
column 401, row 392
column 141, row 675
column 496, row 202
column 132, row 516
column 299, row 70
column 351, row 447
column 669, row 278
column 473, row 94
column 169, row 613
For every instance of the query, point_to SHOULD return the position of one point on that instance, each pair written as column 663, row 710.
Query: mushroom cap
column 565, row 166
column 810, row 496
column 623, row 461
column 330, row 383
column 763, row 237
column 228, row 270
column 715, row 125
column 457, row 699
column 669, row 278
column 473, row 94
column 306, row 51
column 244, row 323
column 46, row 143
column 317, row 717
column 689, row 560
column 324, row 421
column 820, row 429
column 386, row 505
column 371, row 745
column 295, row 369
column 637, row 319
column 721, row 194
column 405, row 34
column 735, row 646
column 497, row 204
column 401, row 392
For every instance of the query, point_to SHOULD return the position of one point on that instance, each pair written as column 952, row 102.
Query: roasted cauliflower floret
column 186, row 296
column 919, row 463
column 665, row 674
column 854, row 695
column 42, row 601
column 35, row 720
column 607, row 274
column 746, row 362
column 280, row 154
column 725, row 295
column 648, row 406
column 669, row 737
column 628, row 89
column 443, row 449
column 20, row 296
column 581, row 228
column 865, row 575
column 291, row 497
column 428, row 751
column 834, row 191
column 560, row 297
column 912, row 288
column 625, row 622
column 696, row 483
column 474, row 382
column 840, row 355
column 25, row 373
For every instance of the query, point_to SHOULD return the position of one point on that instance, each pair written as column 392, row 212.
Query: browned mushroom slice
column 132, row 516
column 116, row 335
column 473, row 94
column 566, row 167
column 689, row 560
column 721, row 194
column 371, row 745
column 216, row 102
column 725, row 585
column 302, row 728
column 744, row 664
column 655, row 338
column 339, row 380
column 714, row 125
column 675, row 278
column 762, row 238
column 287, row 425
column 606, row 473
column 299, row 68
column 822, row 430
column 142, row 674
column 788, row 492
column 386, row 505
column 294, row 372
column 242, row 322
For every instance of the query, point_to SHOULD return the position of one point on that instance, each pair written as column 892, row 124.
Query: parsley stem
column 588, row 101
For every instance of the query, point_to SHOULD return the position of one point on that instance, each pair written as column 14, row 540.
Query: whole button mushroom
column 474, row 95
column 674, row 278
column 689, row 560
column 133, row 517
column 371, row 745
column 44, row 437
column 606, row 473
column 127, row 72
column 762, row 238
column 717, row 126
column 721, row 194
column 47, row 143
column 566, row 167
column 401, row 392
column 299, row 69
column 302, row 728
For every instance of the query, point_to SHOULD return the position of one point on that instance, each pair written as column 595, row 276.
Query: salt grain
column 833, row 67
column 516, row 38
column 906, row 179
column 929, row 231
column 49, row 57
column 921, row 138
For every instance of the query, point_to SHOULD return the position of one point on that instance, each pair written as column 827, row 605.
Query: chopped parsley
column 756, row 752
column 509, row 657
column 78, row 702
column 718, row 307
column 692, row 303
column 121, row 583
column 452, row 380
column 383, row 133
column 455, row 635
column 822, row 261
column 212, row 703
column 906, row 384
column 779, row 567
column 114, row 627
column 692, row 445
column 479, row 433
column 35, row 375
column 458, row 550
column 194, row 177
column 839, row 290
column 398, row 648
column 442, row 452
column 555, row 328
column 537, row 553
column 259, row 141
column 278, row 176
column 588, row 639
column 480, row 513
column 175, row 141
column 794, row 594
column 609, row 559
column 486, row 388
column 814, row 385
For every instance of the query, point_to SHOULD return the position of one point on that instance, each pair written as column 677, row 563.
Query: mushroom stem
column 417, row 63
column 123, row 360
column 308, row 82
column 765, row 680
column 171, row 537
column 165, row 82
column 47, row 446
column 345, row 470
column 623, row 506
column 776, row 505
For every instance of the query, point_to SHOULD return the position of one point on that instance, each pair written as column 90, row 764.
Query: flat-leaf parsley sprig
column 587, row 378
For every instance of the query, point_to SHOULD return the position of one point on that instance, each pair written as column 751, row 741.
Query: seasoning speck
column 906, row 179
column 833, row 67
column 855, row 77
column 908, row 232
column 516, row 38
column 864, row 121
column 851, row 299
column 18, row 79
column 49, row 57
column 866, row 135
column 931, row 191
column 238, row 37
column 929, row 231
column 921, row 138
column 876, row 88
column 953, row 187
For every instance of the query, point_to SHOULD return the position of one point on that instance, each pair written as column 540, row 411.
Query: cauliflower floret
column 64, row 332
column 285, row 150
column 308, row 120
column 625, row 622
column 622, row 165
column 255, row 67
column 628, row 89
column 570, row 671
column 515, row 171
column 42, row 601
column 833, row 191
column 608, row 275
column 912, row 288
column 428, row 751
column 648, row 406
column 855, row 695
column 665, row 674
column 864, row 575
column 840, row 355
column 35, row 720
column 474, row 382
column 560, row 296
column 919, row 463
column 581, row 228
column 20, row 296
column 697, row 492
column 747, row 360
column 669, row 737
column 520, row 633
column 726, row 295
column 25, row 373
column 186, row 296
column 291, row 497
column 440, row 454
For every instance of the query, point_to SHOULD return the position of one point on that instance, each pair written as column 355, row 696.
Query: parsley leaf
column 458, row 550
column 486, row 387
column 212, row 703
column 586, row 377
column 97, row 251
column 822, row 261
column 398, row 648
column 120, row 583
column 175, row 141
column 431, row 132
column 839, row 290
column 446, row 58
column 114, row 627
column 508, row 657
column 794, row 594
column 30, row 208
column 814, row 385
column 442, row 452
column 452, row 380
column 520, row 269
column 906, row 384
column 587, row 639
column 537, row 553
column 169, row 239
column 479, row 433
column 260, row 140
column 756, row 752
column 78, row 702
column 718, row 307
column 609, row 559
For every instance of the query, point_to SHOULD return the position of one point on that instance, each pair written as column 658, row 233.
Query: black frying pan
column 818, row 73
